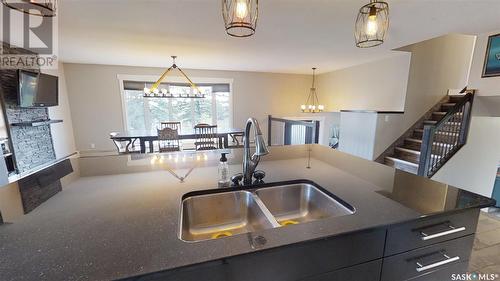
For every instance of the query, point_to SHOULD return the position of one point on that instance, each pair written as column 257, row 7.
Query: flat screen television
column 37, row 89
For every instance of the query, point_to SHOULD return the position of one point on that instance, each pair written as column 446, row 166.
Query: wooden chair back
column 206, row 137
column 168, row 139
column 171, row 124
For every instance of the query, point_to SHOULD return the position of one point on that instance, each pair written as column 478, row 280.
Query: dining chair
column 124, row 145
column 205, row 137
column 171, row 124
column 168, row 139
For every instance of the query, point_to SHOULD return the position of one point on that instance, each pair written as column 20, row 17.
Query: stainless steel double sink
column 217, row 214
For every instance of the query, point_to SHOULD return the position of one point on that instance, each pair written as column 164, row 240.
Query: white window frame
column 174, row 79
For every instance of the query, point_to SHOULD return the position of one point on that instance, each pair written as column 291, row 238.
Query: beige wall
column 62, row 133
column 96, row 110
column 489, row 86
column 436, row 65
column 412, row 81
column 474, row 167
column 379, row 85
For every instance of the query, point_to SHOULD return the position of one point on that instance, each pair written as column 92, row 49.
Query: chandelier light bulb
column 241, row 9
column 372, row 26
column 321, row 107
column 147, row 90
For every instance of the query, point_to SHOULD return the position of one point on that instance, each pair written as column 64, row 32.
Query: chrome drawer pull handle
column 421, row 267
column 452, row 230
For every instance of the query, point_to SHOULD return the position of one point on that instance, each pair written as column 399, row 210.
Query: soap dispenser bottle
column 223, row 171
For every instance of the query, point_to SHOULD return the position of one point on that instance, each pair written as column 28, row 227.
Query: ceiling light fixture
column 240, row 17
column 312, row 103
column 154, row 91
column 372, row 24
column 42, row 8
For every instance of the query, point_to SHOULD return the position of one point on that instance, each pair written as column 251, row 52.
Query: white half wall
column 357, row 133
column 474, row 167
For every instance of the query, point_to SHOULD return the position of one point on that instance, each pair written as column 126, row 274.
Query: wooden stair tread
column 449, row 103
column 401, row 164
column 437, row 143
column 447, row 123
column 438, row 132
column 444, row 113
column 413, row 151
column 402, row 161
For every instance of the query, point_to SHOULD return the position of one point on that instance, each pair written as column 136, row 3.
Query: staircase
column 433, row 140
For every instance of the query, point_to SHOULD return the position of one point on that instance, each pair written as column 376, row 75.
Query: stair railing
column 442, row 140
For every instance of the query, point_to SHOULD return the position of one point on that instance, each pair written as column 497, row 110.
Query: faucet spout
column 250, row 162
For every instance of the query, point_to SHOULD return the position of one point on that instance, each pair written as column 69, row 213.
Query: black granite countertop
column 111, row 225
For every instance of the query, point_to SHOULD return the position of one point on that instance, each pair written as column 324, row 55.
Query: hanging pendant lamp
column 372, row 24
column 154, row 91
column 42, row 8
column 240, row 17
column 312, row 104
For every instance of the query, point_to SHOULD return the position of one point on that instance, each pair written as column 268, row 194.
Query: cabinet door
column 311, row 258
column 427, row 261
column 369, row 271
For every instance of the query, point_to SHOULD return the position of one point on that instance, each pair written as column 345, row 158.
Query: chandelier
column 240, row 17
column 154, row 91
column 43, row 8
column 372, row 24
column 312, row 103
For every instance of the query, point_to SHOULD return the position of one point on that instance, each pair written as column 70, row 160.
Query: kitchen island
column 121, row 220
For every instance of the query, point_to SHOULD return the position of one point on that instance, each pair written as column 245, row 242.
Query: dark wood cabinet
column 394, row 253
column 308, row 258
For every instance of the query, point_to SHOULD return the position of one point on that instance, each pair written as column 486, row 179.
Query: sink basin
column 215, row 214
column 218, row 215
column 299, row 203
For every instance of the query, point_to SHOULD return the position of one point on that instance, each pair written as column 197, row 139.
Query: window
column 147, row 113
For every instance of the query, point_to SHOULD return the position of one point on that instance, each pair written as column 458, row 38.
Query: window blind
column 139, row 86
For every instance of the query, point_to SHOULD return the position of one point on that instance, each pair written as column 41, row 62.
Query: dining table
column 152, row 135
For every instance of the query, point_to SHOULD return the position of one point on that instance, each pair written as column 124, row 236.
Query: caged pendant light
column 42, row 8
column 240, row 17
column 372, row 24
column 312, row 104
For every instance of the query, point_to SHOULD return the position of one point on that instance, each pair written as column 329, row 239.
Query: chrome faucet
column 250, row 162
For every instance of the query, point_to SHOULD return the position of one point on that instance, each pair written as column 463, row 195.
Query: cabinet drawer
column 369, row 271
column 428, row 231
column 428, row 260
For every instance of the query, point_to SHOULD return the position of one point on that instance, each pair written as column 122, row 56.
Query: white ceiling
column 292, row 35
